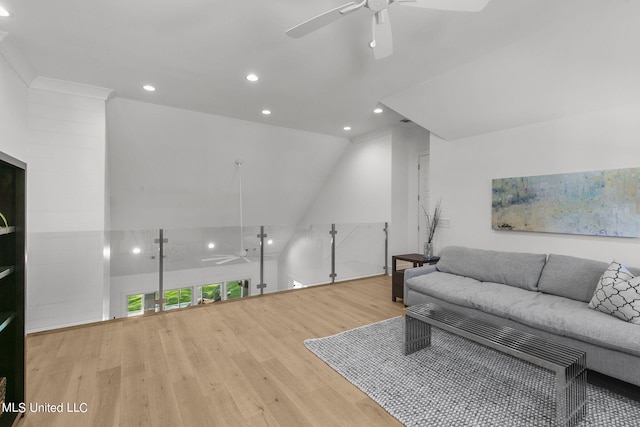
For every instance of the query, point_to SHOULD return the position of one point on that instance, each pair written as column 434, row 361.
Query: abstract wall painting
column 597, row 203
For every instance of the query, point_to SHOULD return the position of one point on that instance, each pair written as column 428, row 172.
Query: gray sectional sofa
column 544, row 295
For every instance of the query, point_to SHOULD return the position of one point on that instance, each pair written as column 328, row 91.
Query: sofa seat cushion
column 494, row 298
column 517, row 269
column 551, row 313
column 570, row 318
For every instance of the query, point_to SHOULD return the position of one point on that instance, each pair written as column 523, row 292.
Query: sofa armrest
column 413, row 272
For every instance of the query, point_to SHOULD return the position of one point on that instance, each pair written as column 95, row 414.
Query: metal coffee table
column 568, row 364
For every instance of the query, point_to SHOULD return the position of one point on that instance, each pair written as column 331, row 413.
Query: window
column 177, row 298
column 183, row 297
column 210, row 293
column 134, row 305
column 235, row 289
column 139, row 303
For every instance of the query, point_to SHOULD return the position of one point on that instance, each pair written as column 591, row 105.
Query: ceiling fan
column 382, row 41
column 242, row 253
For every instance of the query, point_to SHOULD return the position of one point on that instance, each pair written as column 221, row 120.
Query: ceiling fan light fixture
column 381, row 23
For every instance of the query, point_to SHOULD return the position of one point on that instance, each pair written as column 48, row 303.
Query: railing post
column 333, row 233
column 386, row 248
column 261, row 236
column 160, row 300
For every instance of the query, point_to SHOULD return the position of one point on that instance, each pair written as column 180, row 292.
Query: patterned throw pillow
column 618, row 294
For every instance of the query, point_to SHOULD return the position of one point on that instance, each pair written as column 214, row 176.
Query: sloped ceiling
column 586, row 63
column 453, row 73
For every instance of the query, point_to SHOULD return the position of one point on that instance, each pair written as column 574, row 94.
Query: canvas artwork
column 600, row 203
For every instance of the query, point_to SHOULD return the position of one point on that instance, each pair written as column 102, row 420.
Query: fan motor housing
column 377, row 5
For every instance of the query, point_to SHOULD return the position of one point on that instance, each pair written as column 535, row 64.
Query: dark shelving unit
column 12, row 265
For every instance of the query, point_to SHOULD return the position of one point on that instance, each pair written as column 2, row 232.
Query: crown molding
column 71, row 88
column 16, row 59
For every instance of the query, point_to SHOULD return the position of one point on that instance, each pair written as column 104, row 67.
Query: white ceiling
column 447, row 72
column 586, row 62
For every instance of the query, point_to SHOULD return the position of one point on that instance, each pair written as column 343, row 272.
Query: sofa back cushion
column 571, row 277
column 521, row 270
column 634, row 270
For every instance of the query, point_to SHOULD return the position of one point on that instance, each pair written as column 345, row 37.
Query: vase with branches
column 431, row 222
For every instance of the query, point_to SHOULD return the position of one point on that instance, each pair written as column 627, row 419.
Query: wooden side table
column 397, row 278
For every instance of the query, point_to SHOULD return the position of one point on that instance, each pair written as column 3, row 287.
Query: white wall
column 65, row 208
column 376, row 181
column 462, row 171
column 358, row 190
column 61, row 136
column 13, row 112
column 172, row 168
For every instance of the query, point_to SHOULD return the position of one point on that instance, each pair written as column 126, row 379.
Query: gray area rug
column 456, row 382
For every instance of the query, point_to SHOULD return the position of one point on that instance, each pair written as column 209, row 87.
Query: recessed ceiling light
column 149, row 88
column 347, row 128
column 136, row 250
column 211, row 245
column 378, row 110
column 266, row 112
column 4, row 12
column 252, row 77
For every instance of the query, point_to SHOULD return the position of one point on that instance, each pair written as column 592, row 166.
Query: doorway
column 424, row 197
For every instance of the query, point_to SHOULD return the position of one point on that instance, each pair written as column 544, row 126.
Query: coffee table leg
column 571, row 395
column 417, row 335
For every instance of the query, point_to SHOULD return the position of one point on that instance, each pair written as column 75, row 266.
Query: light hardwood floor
column 240, row 363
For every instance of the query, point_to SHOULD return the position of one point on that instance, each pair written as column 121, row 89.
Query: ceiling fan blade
column 382, row 37
column 218, row 258
column 319, row 21
column 224, row 261
column 452, row 5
